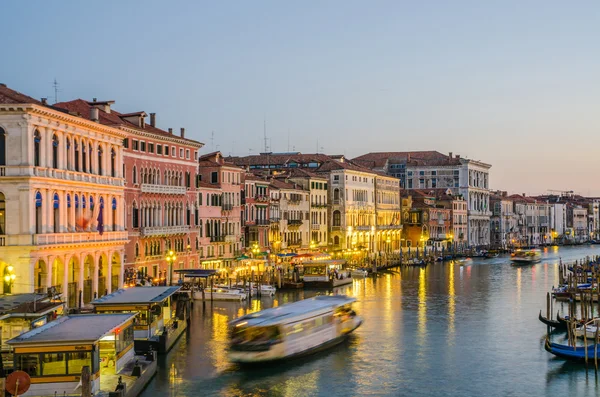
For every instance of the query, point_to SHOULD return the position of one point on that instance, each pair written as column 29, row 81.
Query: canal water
column 446, row 330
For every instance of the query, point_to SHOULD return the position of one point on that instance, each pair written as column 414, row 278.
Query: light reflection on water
column 445, row 330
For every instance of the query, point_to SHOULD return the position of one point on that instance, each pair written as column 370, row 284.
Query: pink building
column 255, row 215
column 160, row 191
column 226, row 239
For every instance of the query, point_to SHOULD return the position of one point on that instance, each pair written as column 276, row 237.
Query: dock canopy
column 137, row 295
column 203, row 273
column 74, row 329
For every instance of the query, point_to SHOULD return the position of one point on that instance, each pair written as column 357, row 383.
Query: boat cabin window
column 63, row 363
column 255, row 335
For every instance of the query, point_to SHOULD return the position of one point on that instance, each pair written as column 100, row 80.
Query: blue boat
column 570, row 352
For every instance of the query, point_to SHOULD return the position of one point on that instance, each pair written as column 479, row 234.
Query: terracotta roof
column 9, row 96
column 522, row 199
column 279, row 184
column 209, row 185
column 280, row 159
column 114, row 118
column 302, row 173
column 402, row 156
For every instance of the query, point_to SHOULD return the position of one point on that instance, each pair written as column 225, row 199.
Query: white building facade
column 60, row 177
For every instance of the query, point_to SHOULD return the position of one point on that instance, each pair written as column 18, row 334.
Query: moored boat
column 569, row 352
column 220, row 294
column 292, row 330
column 525, row 257
column 358, row 272
column 556, row 324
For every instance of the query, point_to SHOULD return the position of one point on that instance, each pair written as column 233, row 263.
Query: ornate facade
column 62, row 201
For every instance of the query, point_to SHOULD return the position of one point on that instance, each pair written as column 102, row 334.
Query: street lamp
column 255, row 250
column 9, row 279
column 170, row 258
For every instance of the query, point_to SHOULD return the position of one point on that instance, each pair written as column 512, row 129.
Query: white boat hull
column 219, row 296
column 316, row 341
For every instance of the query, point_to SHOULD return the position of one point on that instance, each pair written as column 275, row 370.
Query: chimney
column 450, row 155
column 94, row 99
column 182, row 132
column 458, row 156
column 408, row 158
column 94, row 114
column 171, row 131
column 153, row 119
column 44, row 101
column 524, row 195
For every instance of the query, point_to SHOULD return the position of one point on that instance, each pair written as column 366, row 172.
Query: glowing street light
column 170, row 258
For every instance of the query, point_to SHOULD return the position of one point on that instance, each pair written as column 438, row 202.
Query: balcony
column 165, row 230
column 335, row 202
column 77, row 238
column 389, row 227
column 315, row 226
column 217, row 239
column 274, row 219
column 294, row 202
column 163, row 189
column 318, row 205
column 226, row 207
column 16, row 171
column 262, row 199
column 231, row 238
column 294, row 222
column 336, row 228
column 262, row 222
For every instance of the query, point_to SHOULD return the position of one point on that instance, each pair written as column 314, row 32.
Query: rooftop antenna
column 212, row 141
column 55, row 85
column 288, row 140
column 265, row 132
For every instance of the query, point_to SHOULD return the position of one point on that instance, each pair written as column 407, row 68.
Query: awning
column 204, row 273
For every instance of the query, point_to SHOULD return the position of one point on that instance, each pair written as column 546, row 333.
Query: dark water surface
column 446, row 330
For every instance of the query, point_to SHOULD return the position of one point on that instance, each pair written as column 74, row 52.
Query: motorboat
column 265, row 289
column 220, row 294
column 358, row 272
column 292, row 330
column 525, row 257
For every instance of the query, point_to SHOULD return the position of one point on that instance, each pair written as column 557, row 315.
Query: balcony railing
column 262, row 222
column 335, row 202
column 315, row 226
column 69, row 238
column 60, row 174
column 163, row 189
column 217, row 239
column 274, row 219
column 165, row 230
column 318, row 205
column 231, row 238
column 226, row 207
column 262, row 199
column 294, row 222
column 336, row 228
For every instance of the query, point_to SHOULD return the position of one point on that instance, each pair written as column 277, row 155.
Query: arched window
column 336, row 194
column 2, row 214
column 76, row 154
column 55, row 207
column 137, row 249
column 90, row 155
column 83, row 157
column 68, row 143
column 113, row 168
column 37, row 142
column 2, row 147
column 69, row 220
column 54, row 151
column 100, row 153
column 114, row 213
column 135, row 216
column 38, row 213
column 337, row 218
column 134, row 174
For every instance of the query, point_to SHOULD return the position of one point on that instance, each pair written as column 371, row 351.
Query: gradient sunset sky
column 512, row 83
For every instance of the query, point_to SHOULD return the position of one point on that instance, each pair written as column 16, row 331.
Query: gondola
column 556, row 324
column 570, row 352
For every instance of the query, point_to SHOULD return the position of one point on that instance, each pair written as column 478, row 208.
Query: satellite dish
column 18, row 383
column 156, row 310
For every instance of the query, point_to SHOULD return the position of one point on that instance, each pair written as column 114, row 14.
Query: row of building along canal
column 450, row 329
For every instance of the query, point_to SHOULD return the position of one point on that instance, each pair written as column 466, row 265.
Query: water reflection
column 445, row 330
column 451, row 303
column 422, row 308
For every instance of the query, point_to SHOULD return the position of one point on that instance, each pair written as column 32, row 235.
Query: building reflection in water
column 422, row 309
column 518, row 288
column 451, row 303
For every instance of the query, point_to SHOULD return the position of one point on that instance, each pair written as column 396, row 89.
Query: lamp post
column 255, row 250
column 9, row 278
column 170, row 258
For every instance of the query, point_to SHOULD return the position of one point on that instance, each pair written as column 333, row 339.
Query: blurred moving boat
column 525, row 257
column 292, row 330
column 220, row 294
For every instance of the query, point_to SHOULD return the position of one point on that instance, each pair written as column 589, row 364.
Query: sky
column 515, row 84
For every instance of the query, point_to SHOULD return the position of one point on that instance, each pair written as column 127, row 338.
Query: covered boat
column 292, row 330
column 525, row 257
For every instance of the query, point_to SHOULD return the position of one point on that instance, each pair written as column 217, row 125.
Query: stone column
column 109, row 273
column 122, row 268
column 65, row 280
column 47, row 218
column 49, row 275
column 95, row 268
